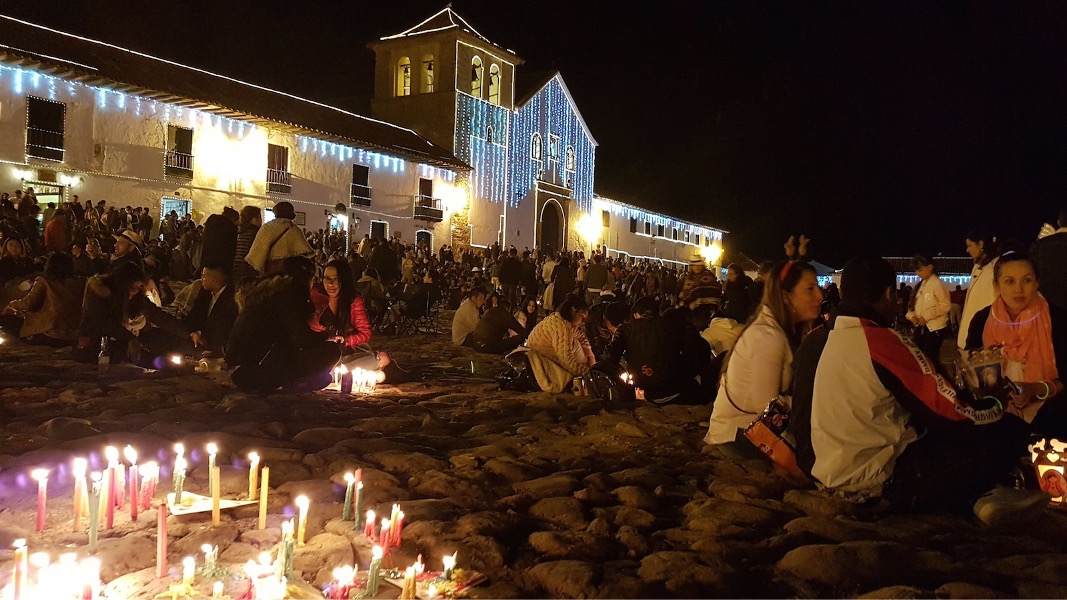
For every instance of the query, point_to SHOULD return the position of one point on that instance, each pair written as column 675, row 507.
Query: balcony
column 179, row 165
column 42, row 143
column 360, row 195
column 279, row 181
column 429, row 209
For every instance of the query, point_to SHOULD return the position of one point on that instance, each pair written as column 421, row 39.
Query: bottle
column 103, row 362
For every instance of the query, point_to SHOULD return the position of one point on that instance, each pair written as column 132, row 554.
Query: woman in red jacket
column 339, row 310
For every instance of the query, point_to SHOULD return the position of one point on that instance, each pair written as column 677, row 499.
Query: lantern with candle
column 1050, row 461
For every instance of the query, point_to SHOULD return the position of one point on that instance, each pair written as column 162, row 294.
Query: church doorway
column 551, row 228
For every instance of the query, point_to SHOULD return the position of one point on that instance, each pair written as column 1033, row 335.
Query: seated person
column 371, row 289
column 272, row 344
column 213, row 312
column 116, row 307
column 498, row 332
column 528, row 314
column 873, row 419
column 1033, row 337
column 14, row 263
column 465, row 321
column 664, row 354
column 53, row 308
column 340, row 313
column 557, row 348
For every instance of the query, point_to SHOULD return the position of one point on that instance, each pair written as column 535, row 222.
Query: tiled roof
column 102, row 64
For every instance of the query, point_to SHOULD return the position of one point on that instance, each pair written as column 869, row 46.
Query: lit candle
column 176, row 360
column 112, row 454
column 431, row 591
column 263, row 499
column 188, row 571
column 346, row 380
column 179, row 479
column 392, row 513
column 41, row 475
column 375, row 567
column 290, row 546
column 253, row 474
column 80, row 502
column 149, row 479
column 90, row 568
column 449, row 562
column 211, row 554
column 369, row 529
column 302, row 519
column 350, row 480
column 359, row 503
column 94, row 510
column 344, row 579
column 161, row 541
column 216, row 591
column 179, row 451
column 398, row 528
column 212, row 450
column 135, row 480
column 21, row 566
column 383, row 535
column 407, row 590
column 215, row 497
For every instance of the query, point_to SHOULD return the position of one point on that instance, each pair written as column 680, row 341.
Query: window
column 535, row 147
column 648, row 228
column 605, row 218
column 278, row 178
column 403, row 77
column 674, row 233
column 633, row 225
column 553, row 148
column 179, row 155
column 360, row 186
column 489, row 134
column 569, row 160
column 427, row 73
column 687, row 236
column 476, row 77
column 426, row 206
column 45, row 124
column 494, row 84
column 696, row 239
column 659, row 230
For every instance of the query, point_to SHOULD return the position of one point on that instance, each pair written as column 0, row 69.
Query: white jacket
column 758, row 369
column 980, row 294
column 464, row 321
column 276, row 240
column 932, row 303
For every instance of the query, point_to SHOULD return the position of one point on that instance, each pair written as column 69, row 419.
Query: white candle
column 216, row 591
column 302, row 520
column 212, row 450
column 188, row 570
column 253, row 474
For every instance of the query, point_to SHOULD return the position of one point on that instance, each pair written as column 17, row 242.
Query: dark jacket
column 384, row 260
column 664, row 354
column 215, row 324
column 510, row 271
column 1050, row 257
column 494, row 326
column 565, row 284
column 736, row 299
column 103, row 314
column 220, row 242
column 272, row 313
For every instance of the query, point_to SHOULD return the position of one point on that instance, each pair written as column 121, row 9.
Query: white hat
column 132, row 237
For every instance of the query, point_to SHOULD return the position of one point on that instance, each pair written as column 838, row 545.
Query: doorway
column 379, row 229
column 551, row 229
column 424, row 239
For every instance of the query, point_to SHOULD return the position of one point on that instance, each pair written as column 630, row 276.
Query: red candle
column 368, row 530
column 112, row 454
column 161, row 541
column 131, row 455
column 120, row 485
column 149, row 475
column 41, row 475
column 359, row 475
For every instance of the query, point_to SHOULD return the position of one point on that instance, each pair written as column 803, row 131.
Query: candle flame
column 188, row 562
column 449, row 561
column 150, row 469
column 39, row 474
column 302, row 502
column 377, row 553
column 176, row 359
column 359, row 485
column 206, row 548
column 40, row 559
column 212, row 448
column 349, row 477
column 370, row 516
column 264, row 558
column 179, row 449
column 253, row 457
column 112, row 454
column 80, row 464
column 19, row 543
column 131, row 454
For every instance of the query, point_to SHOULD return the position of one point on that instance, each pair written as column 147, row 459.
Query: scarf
column 1027, row 340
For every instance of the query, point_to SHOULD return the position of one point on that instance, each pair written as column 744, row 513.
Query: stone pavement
column 549, row 495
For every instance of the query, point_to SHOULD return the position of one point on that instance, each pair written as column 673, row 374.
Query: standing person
column 220, row 239
column 563, row 280
column 528, row 278
column 57, row 233
column 930, row 315
column 735, row 294
column 699, row 286
column 247, row 227
column 511, row 276
column 596, row 280
column 760, row 365
column 1050, row 259
column 277, row 241
column 981, row 247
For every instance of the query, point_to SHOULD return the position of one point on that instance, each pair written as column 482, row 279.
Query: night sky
column 893, row 127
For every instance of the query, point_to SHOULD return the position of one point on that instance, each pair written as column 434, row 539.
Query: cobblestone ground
column 549, row 495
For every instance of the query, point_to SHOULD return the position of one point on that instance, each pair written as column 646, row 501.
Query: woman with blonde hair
column 759, row 367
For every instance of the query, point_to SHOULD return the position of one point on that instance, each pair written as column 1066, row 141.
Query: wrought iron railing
column 279, row 181
column 360, row 195
column 428, row 208
column 43, row 143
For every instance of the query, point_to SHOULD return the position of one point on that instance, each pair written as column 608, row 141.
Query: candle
column 369, row 529
column 407, row 591
column 398, row 528
column 383, row 535
column 80, row 501
column 188, row 570
column 216, row 591
column 41, row 475
column 344, row 579
column 21, row 566
column 350, row 480
column 161, row 541
column 215, row 499
column 253, row 474
column 449, row 562
column 290, row 546
column 94, row 510
column 149, row 479
column 212, row 450
column 302, row 519
column 120, row 484
column 179, row 479
column 90, row 568
column 211, row 554
column 372, row 574
column 179, row 451
column 431, row 591
column 135, row 480
column 359, row 503
column 346, row 381
column 112, row 454
column 263, row 499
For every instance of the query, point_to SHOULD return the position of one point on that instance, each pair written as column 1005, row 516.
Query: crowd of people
column 873, row 374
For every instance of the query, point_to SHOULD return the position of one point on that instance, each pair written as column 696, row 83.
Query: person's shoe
column 1006, row 505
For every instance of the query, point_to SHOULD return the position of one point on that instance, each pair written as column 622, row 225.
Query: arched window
column 403, row 76
column 494, row 84
column 427, row 73
column 535, row 147
column 476, row 77
column 569, row 160
column 489, row 134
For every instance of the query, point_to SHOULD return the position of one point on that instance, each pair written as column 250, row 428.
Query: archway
column 551, row 229
column 424, row 238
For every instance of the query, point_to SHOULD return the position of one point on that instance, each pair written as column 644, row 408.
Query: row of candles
column 359, row 381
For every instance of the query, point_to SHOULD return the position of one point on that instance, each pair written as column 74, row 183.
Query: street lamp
column 589, row 229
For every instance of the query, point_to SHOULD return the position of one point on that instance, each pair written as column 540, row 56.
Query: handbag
column 767, row 434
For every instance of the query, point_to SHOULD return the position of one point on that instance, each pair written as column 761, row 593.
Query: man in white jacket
column 276, row 241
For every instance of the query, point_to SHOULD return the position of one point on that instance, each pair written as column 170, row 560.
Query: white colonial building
column 79, row 116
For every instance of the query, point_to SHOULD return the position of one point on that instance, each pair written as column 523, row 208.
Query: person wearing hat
column 699, row 286
column 128, row 247
column 277, row 240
